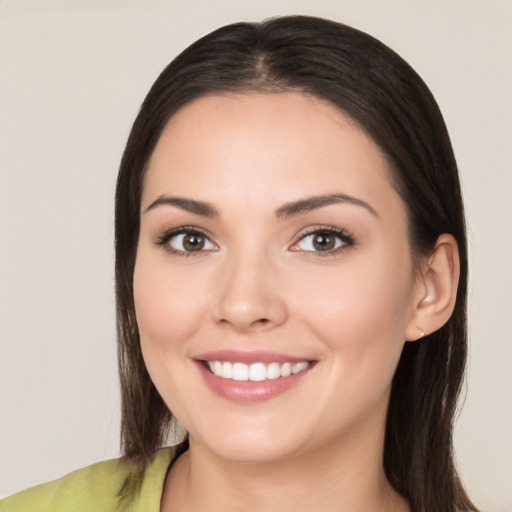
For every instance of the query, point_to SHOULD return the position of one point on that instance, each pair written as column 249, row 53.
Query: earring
column 422, row 332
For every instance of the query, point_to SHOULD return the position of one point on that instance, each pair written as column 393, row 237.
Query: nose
column 250, row 297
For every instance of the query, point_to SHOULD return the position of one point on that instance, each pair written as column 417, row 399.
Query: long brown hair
column 377, row 88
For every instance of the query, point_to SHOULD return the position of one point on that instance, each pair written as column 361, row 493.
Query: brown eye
column 193, row 242
column 324, row 242
column 189, row 242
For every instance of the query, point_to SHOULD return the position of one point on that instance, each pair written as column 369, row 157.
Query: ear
column 436, row 289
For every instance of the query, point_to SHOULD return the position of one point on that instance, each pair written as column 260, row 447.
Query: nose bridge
column 249, row 297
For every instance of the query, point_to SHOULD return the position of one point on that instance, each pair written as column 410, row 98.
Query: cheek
column 167, row 309
column 166, row 304
column 362, row 314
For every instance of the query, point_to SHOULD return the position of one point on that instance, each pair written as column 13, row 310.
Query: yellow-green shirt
column 96, row 488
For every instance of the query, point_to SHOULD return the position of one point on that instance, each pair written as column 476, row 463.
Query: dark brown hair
column 377, row 88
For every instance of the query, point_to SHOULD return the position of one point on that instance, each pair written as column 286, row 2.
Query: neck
column 341, row 477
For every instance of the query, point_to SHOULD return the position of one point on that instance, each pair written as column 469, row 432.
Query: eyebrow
column 315, row 202
column 284, row 212
column 190, row 205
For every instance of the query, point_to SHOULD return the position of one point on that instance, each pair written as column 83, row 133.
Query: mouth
column 251, row 377
column 255, row 372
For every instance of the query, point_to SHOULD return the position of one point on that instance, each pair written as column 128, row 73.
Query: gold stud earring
column 422, row 332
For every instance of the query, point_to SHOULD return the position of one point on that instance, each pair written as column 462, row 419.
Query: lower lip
column 248, row 391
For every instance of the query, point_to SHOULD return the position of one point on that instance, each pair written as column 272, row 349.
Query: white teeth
column 240, row 372
column 299, row 367
column 227, row 370
column 255, row 372
column 217, row 367
column 273, row 371
column 286, row 370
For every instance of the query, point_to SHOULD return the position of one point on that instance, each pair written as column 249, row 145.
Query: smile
column 256, row 372
column 249, row 377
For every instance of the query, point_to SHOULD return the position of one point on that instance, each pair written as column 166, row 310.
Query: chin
column 250, row 445
column 249, row 452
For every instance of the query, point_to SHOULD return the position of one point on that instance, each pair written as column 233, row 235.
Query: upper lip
column 249, row 357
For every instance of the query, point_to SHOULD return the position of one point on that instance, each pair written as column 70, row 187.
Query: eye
column 323, row 240
column 186, row 241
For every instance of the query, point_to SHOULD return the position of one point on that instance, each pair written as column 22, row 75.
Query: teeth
column 255, row 372
column 273, row 371
column 217, row 367
column 299, row 367
column 240, row 371
column 227, row 370
column 286, row 370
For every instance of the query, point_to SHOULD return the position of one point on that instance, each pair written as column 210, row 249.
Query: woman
column 291, row 276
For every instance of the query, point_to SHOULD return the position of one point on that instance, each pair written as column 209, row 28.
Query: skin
column 258, row 285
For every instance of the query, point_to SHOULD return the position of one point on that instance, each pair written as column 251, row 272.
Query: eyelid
column 163, row 240
column 347, row 239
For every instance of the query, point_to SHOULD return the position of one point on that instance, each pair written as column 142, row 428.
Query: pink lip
column 256, row 356
column 248, row 391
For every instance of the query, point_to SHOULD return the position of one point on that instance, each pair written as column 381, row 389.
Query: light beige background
column 73, row 73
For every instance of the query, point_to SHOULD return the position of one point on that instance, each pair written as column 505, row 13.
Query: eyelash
column 163, row 240
column 347, row 240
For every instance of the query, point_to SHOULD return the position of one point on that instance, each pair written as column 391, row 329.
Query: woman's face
column 272, row 242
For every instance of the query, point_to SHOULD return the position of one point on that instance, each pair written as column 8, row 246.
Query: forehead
column 279, row 145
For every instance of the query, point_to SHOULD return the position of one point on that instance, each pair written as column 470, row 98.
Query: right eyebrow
column 190, row 205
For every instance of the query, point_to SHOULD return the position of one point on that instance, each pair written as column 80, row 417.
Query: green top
column 96, row 488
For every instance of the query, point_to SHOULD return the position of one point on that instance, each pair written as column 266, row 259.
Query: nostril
column 261, row 321
column 243, row 324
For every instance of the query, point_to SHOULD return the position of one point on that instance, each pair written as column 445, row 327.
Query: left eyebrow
column 315, row 202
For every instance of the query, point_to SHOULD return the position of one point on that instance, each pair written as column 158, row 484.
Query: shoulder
column 100, row 482
column 95, row 487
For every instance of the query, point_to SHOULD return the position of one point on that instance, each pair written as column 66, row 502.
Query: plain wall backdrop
column 73, row 74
